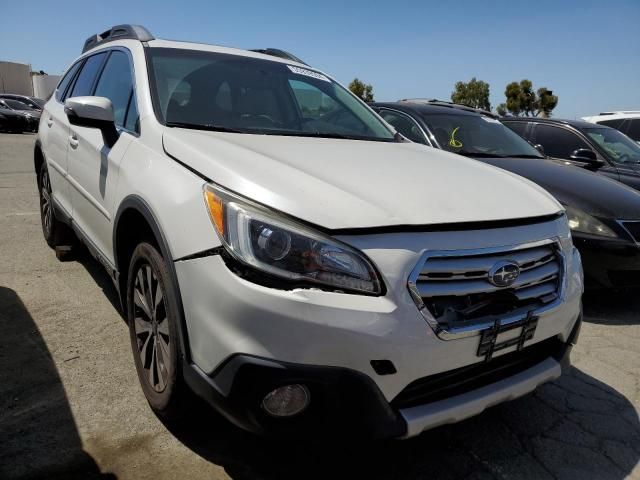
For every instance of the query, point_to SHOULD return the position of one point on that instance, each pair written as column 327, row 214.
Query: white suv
column 628, row 122
column 283, row 253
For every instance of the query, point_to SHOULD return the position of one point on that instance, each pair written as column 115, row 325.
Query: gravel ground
column 71, row 407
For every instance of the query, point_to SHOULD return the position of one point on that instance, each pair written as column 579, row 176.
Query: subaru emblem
column 504, row 273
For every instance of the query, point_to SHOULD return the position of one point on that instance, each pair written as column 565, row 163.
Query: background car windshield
column 616, row 145
column 255, row 96
column 474, row 134
column 17, row 105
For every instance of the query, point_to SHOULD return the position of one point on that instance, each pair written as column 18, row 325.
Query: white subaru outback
column 282, row 252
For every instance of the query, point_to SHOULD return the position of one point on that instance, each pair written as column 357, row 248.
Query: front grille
column 465, row 379
column 456, row 290
column 634, row 229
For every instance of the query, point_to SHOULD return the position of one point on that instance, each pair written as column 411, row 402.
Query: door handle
column 50, row 122
column 73, row 141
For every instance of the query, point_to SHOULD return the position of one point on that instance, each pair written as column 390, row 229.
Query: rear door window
column 518, row 127
column 87, row 76
column 557, row 141
column 66, row 80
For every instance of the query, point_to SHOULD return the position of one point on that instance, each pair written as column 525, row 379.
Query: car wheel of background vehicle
column 152, row 312
column 54, row 231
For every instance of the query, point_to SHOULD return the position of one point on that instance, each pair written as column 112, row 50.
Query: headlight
column 580, row 221
column 274, row 244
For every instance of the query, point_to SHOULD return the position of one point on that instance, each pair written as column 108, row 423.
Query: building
column 18, row 78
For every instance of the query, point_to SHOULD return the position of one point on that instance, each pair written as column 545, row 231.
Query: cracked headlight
column 277, row 245
column 582, row 222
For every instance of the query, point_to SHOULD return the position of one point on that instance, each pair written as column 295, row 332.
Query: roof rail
column 443, row 103
column 118, row 32
column 619, row 112
column 276, row 52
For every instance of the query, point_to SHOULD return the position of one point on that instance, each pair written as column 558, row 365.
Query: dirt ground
column 71, row 407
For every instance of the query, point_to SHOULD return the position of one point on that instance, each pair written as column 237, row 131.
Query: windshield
column 616, row 145
column 16, row 105
column 476, row 135
column 217, row 91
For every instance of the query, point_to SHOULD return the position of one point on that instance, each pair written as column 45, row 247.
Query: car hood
column 594, row 194
column 340, row 184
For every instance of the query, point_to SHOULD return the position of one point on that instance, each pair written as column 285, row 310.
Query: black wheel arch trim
column 137, row 203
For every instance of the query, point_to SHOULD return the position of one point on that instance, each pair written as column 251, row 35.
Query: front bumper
column 609, row 263
column 346, row 402
column 341, row 337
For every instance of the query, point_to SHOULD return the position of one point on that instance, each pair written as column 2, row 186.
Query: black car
column 604, row 215
column 33, row 102
column 31, row 116
column 599, row 148
column 13, row 122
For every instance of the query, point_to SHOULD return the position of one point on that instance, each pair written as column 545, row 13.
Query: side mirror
column 540, row 149
column 587, row 156
column 93, row 112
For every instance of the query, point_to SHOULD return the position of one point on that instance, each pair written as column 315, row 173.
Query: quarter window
column 633, row 131
column 131, row 122
column 558, row 142
column 404, row 124
column 116, row 84
column 617, row 123
column 86, row 78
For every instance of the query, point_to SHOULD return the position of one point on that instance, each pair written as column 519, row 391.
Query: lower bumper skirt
column 463, row 406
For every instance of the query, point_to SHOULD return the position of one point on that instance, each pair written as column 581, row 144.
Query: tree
column 474, row 93
column 362, row 90
column 523, row 100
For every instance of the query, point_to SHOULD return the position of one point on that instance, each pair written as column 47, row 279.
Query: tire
column 55, row 232
column 154, row 331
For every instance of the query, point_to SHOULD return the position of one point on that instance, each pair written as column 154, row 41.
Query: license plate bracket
column 488, row 339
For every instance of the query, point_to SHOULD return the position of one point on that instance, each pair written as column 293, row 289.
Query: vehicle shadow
column 81, row 255
column 576, row 427
column 38, row 435
column 612, row 308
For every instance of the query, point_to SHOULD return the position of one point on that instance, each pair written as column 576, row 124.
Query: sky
column 587, row 52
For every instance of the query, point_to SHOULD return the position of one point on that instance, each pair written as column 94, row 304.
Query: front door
column 93, row 166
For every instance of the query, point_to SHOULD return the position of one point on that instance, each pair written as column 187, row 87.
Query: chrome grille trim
column 542, row 276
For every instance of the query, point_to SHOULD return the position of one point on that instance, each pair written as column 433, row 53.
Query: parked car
column 31, row 116
column 601, row 149
column 628, row 122
column 13, row 122
column 33, row 102
column 604, row 215
column 271, row 258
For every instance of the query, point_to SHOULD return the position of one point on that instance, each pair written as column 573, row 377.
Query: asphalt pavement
column 71, row 406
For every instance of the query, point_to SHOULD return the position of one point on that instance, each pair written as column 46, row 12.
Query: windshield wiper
column 524, row 155
column 291, row 133
column 206, row 126
column 479, row 154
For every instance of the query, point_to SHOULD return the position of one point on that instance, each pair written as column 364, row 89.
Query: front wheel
column 52, row 229
column 152, row 312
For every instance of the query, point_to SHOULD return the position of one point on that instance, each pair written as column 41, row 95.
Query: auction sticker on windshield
column 308, row 73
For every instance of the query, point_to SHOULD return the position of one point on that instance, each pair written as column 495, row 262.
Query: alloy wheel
column 45, row 203
column 151, row 327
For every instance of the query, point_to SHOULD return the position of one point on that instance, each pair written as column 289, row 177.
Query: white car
column 628, row 122
column 286, row 255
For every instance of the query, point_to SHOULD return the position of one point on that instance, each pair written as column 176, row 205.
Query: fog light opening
column 286, row 401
